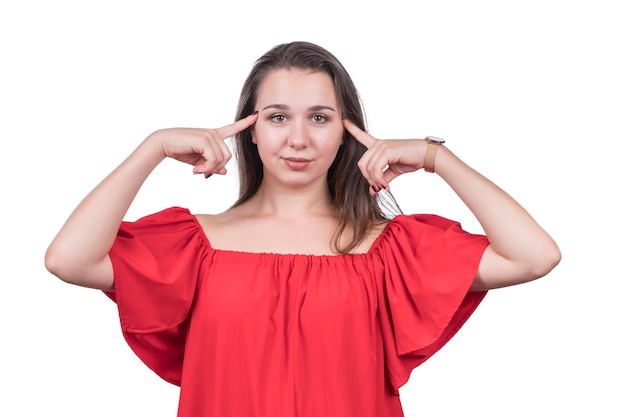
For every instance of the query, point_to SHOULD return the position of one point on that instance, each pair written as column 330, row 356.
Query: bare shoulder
column 224, row 230
column 213, row 223
column 371, row 237
column 210, row 221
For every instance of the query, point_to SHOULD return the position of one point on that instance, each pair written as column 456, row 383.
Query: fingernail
column 255, row 113
column 207, row 175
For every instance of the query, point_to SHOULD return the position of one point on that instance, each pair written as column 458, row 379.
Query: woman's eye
column 278, row 118
column 319, row 118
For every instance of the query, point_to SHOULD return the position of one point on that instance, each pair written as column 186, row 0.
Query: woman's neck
column 287, row 203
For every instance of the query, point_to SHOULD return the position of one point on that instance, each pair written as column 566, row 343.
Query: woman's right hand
column 204, row 149
column 81, row 257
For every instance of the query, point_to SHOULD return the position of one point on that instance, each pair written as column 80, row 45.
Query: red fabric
column 275, row 335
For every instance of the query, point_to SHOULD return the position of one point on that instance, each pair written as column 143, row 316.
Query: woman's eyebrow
column 286, row 107
column 276, row 106
column 321, row 107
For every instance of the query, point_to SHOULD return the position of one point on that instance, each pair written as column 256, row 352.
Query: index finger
column 232, row 129
column 360, row 135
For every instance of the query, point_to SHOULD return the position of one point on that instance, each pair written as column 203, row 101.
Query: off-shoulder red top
column 289, row 335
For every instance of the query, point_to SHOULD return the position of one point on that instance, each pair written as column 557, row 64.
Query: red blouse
column 285, row 335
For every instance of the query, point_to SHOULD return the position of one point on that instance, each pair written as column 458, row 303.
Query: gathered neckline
column 369, row 252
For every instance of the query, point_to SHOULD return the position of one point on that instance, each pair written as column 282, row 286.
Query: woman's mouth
column 297, row 164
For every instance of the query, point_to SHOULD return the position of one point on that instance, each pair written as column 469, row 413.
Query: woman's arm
column 519, row 251
column 79, row 252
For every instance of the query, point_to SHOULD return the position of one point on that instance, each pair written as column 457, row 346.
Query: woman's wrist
column 433, row 143
column 154, row 145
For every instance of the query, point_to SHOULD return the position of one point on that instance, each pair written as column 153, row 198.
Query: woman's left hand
column 386, row 159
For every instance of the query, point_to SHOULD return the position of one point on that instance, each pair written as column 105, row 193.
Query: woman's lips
column 297, row 164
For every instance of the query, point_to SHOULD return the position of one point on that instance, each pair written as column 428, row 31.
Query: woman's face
column 299, row 128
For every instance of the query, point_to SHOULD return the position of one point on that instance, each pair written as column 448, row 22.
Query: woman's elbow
column 56, row 263
column 497, row 271
column 66, row 266
column 548, row 258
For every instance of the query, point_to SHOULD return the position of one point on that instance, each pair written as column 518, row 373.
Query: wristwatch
column 431, row 151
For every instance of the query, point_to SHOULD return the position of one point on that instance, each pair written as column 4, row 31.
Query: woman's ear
column 253, row 134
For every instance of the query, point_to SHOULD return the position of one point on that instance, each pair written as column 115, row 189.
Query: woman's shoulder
column 372, row 238
column 426, row 233
column 211, row 221
column 224, row 229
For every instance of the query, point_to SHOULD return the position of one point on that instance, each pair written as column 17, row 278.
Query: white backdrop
column 532, row 94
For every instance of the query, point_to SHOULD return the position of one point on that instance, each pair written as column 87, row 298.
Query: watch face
column 434, row 139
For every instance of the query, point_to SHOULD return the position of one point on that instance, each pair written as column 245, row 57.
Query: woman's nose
column 298, row 136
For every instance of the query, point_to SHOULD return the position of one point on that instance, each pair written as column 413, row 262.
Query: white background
column 532, row 94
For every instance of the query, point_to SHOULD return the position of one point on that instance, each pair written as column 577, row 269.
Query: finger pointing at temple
column 242, row 124
column 359, row 134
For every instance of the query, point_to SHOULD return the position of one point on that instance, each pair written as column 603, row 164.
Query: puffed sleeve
column 156, row 264
column 424, row 299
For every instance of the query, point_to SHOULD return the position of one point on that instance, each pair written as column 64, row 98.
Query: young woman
column 310, row 296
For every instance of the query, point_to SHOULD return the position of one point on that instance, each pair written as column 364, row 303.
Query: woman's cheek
column 264, row 135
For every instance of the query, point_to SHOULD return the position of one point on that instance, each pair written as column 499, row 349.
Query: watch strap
column 431, row 153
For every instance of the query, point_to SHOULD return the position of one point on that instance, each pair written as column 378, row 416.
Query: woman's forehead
column 297, row 88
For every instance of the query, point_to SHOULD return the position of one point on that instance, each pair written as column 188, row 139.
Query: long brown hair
column 348, row 188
